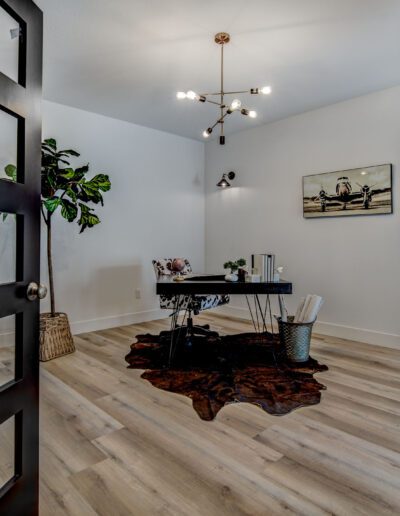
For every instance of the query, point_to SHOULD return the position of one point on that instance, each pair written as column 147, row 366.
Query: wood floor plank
column 235, row 480
column 342, row 462
column 112, row 444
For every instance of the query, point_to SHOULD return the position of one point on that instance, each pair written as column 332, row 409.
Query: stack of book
column 264, row 265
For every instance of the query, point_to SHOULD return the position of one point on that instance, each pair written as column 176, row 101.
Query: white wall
column 155, row 208
column 352, row 262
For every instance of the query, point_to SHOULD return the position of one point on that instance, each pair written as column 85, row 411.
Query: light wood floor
column 114, row 445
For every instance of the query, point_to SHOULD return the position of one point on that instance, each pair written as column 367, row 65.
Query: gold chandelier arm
column 216, row 94
column 235, row 92
column 220, row 120
column 213, row 102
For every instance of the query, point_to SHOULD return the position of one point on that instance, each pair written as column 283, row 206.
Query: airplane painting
column 360, row 191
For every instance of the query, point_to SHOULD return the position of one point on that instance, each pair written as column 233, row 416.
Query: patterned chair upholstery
column 196, row 303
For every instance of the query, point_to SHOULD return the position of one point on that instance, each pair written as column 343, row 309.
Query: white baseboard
column 377, row 338
column 101, row 323
column 334, row 330
column 113, row 321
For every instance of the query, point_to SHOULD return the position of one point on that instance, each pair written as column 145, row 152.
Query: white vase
column 231, row 277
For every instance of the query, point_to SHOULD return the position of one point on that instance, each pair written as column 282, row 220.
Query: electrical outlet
column 138, row 293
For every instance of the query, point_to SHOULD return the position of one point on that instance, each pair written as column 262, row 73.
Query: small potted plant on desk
column 234, row 267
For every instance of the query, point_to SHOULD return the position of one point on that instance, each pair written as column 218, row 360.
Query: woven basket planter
column 55, row 337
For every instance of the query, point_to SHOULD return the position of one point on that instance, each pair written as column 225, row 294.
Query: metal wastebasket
column 296, row 339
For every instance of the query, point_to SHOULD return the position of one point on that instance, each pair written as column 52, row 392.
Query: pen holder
column 295, row 338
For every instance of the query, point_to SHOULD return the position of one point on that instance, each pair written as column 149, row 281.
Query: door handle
column 36, row 291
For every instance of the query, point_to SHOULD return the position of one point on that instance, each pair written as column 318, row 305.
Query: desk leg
column 259, row 315
column 176, row 329
column 174, row 322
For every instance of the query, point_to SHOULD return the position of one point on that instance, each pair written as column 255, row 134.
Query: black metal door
column 20, row 106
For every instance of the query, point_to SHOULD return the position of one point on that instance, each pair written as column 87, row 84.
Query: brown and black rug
column 214, row 372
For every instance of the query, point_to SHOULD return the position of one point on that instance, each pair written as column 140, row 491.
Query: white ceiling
column 127, row 58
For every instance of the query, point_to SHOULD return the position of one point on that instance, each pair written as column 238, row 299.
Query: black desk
column 206, row 284
column 216, row 284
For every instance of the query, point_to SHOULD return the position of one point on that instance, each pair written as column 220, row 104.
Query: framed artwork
column 359, row 191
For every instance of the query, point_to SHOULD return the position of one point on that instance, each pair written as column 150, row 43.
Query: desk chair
column 189, row 303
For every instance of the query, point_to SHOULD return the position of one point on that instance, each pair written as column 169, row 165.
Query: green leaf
column 102, row 181
column 87, row 218
column 69, row 152
column 81, row 171
column 51, row 142
column 48, row 150
column 68, row 173
column 91, row 190
column 70, row 192
column 11, row 172
column 52, row 204
column 68, row 210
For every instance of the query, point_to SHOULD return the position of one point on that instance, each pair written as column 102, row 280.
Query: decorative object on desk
column 242, row 273
column 253, row 278
column 264, row 264
column 360, row 191
column 178, row 265
column 179, row 277
column 231, row 277
column 230, row 369
column 225, row 108
column 224, row 183
column 277, row 274
column 234, row 266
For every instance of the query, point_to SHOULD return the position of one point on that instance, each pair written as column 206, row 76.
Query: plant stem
column 50, row 266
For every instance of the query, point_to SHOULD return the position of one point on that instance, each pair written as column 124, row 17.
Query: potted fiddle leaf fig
column 69, row 191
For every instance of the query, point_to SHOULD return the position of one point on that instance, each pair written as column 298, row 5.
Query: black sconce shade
column 224, row 183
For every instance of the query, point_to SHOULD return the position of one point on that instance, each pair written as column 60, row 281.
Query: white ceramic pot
column 231, row 277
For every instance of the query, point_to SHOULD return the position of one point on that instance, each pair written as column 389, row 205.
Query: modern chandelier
column 225, row 109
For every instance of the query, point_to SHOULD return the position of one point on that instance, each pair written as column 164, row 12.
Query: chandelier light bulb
column 253, row 114
column 236, row 104
column 181, row 95
column 206, row 134
column 266, row 90
column 191, row 95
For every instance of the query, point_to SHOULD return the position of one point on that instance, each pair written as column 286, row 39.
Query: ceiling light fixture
column 224, row 183
column 222, row 38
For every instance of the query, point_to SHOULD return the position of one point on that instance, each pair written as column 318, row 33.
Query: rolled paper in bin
column 296, row 339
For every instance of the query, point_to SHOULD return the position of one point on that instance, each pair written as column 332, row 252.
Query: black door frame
column 20, row 397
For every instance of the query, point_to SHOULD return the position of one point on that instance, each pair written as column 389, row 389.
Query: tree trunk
column 50, row 266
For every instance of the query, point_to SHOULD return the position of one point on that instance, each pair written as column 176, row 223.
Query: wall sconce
column 224, row 183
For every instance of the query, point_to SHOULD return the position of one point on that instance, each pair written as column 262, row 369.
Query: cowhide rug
column 229, row 369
